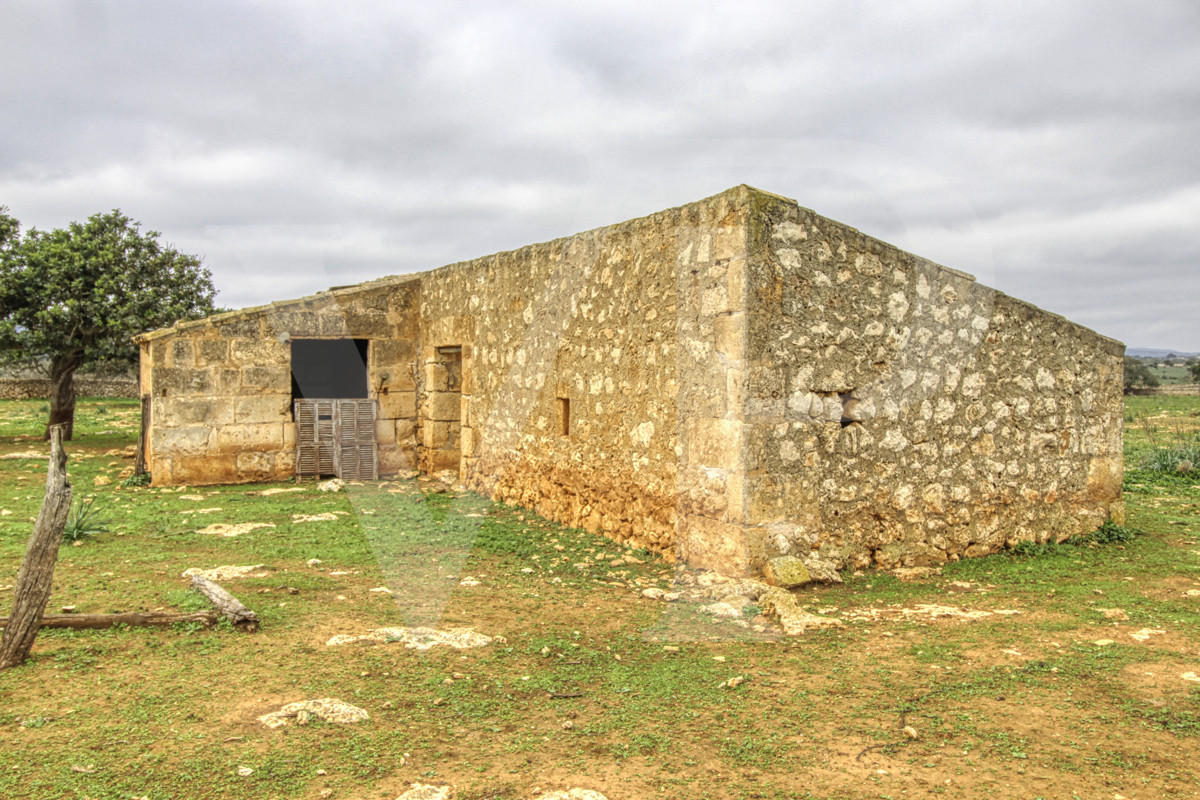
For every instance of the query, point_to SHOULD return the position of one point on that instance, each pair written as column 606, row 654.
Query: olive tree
column 76, row 295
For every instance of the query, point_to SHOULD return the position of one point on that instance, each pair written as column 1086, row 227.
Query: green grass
column 171, row 712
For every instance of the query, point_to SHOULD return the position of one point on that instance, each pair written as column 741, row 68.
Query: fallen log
column 36, row 578
column 133, row 619
column 227, row 604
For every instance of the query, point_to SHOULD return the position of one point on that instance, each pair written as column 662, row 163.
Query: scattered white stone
column 911, row 732
column 226, row 529
column 326, row 517
column 938, row 612
column 1188, row 593
column 194, row 497
column 26, row 454
column 426, row 791
column 4, row 512
column 101, row 480
column 380, row 590
column 1115, row 613
column 419, row 638
column 571, row 794
column 961, row 585
column 916, row 573
column 333, row 485
column 314, row 562
column 798, row 622
column 1103, row 642
column 469, row 581
column 245, row 772
column 326, row 708
column 277, row 490
column 795, row 621
column 1145, row 633
column 733, row 683
column 1191, row 676
column 526, row 570
column 721, row 610
column 655, row 593
column 225, row 573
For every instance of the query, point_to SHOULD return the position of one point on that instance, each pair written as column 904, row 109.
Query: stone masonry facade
column 221, row 387
column 726, row 382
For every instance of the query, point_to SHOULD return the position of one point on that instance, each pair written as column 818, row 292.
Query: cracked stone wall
column 899, row 413
column 221, row 388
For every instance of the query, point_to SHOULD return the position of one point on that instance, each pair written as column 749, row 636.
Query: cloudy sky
column 1050, row 148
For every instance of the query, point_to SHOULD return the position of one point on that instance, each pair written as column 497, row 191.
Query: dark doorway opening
column 329, row 368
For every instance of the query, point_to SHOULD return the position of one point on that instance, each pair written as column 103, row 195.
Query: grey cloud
column 1047, row 147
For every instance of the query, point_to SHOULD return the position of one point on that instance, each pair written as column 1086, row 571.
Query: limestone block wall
column 221, row 388
column 899, row 413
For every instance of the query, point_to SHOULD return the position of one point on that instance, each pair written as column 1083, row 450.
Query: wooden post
column 36, row 578
column 139, row 459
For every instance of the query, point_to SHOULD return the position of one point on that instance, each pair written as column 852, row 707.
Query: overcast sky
column 1050, row 148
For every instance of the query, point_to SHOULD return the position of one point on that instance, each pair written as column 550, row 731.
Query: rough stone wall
column 221, row 387
column 85, row 386
column 899, row 413
column 723, row 382
column 586, row 328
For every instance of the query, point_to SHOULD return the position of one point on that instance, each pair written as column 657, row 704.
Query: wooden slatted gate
column 336, row 437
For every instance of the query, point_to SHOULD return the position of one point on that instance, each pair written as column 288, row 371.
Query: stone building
column 724, row 382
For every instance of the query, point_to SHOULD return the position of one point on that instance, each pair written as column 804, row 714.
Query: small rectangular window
column 564, row 416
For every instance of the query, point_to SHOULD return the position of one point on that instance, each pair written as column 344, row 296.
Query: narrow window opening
column 849, row 402
column 564, row 416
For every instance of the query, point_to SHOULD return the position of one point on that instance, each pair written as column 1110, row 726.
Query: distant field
column 1174, row 374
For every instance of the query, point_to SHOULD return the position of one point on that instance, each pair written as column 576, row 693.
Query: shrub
column 137, row 480
column 1138, row 375
column 1179, row 461
column 84, row 519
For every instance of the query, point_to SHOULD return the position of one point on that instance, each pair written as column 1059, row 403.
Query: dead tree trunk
column 139, row 458
column 62, row 394
column 36, row 578
column 132, row 618
column 227, row 604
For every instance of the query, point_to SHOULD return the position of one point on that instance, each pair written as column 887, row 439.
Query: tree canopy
column 1138, row 375
column 77, row 294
